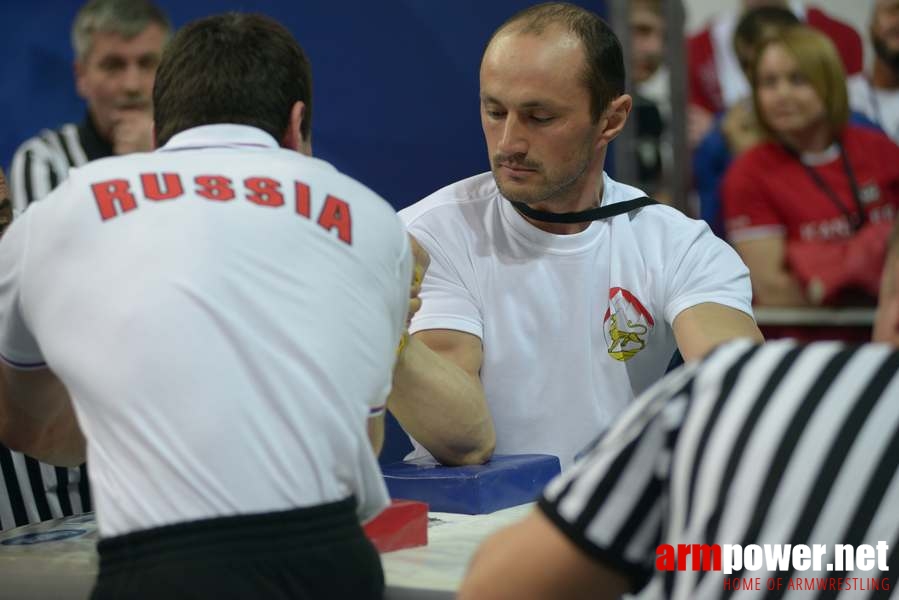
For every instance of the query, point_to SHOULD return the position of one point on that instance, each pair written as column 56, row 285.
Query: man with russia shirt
column 199, row 309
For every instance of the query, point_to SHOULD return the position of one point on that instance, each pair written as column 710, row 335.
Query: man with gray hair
column 117, row 45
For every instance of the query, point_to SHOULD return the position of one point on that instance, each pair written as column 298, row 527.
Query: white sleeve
column 448, row 301
column 704, row 268
column 18, row 348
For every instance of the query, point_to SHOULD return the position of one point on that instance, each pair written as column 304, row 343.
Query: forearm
column 779, row 289
column 57, row 441
column 442, row 406
column 773, row 284
column 534, row 560
column 37, row 417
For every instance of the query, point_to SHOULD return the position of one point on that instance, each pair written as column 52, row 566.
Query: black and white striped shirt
column 31, row 491
column 772, row 444
column 43, row 162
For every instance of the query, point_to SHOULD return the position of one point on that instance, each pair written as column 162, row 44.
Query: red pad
column 403, row 524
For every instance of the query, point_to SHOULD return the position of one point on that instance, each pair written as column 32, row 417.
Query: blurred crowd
column 792, row 140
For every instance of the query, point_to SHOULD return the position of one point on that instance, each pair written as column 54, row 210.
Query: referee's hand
column 5, row 204
column 132, row 131
column 422, row 260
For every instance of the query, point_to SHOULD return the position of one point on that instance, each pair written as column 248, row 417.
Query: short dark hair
column 757, row 22
column 604, row 74
column 237, row 68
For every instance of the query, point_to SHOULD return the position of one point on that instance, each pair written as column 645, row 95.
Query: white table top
column 452, row 541
column 65, row 567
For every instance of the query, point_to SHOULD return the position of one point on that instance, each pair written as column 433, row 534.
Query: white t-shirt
column 573, row 326
column 879, row 105
column 225, row 343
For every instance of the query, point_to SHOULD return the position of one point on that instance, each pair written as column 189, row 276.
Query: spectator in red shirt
column 816, row 178
column 715, row 80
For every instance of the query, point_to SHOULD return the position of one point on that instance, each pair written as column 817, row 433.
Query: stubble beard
column 886, row 54
column 553, row 192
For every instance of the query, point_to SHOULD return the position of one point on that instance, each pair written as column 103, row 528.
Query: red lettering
column 665, row 557
column 706, row 557
column 683, row 551
column 214, row 187
column 153, row 191
column 265, row 191
column 302, row 193
column 112, row 192
column 748, row 583
column 335, row 214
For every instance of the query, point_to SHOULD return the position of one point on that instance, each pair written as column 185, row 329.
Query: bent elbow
column 19, row 438
column 477, row 455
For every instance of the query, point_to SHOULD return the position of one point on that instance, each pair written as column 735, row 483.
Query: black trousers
column 317, row 552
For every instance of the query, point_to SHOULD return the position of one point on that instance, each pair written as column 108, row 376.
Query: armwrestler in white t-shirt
column 534, row 334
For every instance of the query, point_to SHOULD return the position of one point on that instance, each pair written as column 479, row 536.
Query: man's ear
column 613, row 119
column 292, row 138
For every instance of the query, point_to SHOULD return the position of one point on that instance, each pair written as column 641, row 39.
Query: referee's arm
column 534, row 560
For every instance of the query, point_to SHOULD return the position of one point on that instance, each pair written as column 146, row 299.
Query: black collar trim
column 93, row 144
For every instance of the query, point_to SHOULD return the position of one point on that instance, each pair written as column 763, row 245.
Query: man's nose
column 514, row 136
column 132, row 78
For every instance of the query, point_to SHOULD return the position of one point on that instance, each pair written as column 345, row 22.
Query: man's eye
column 112, row 65
column 541, row 118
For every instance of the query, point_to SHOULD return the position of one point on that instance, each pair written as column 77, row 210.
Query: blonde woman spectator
column 815, row 180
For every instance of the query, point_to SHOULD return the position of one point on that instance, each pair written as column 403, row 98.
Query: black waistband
column 237, row 536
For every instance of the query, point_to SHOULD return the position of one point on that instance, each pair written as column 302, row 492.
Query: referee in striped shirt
column 771, row 444
column 117, row 45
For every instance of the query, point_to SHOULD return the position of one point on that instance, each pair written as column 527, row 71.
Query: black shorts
column 316, row 552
